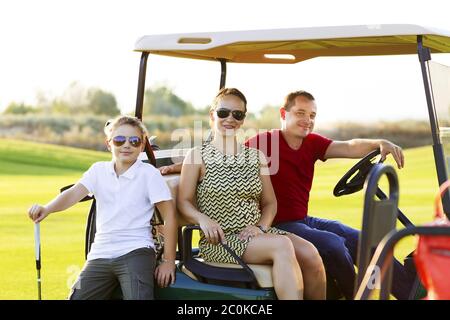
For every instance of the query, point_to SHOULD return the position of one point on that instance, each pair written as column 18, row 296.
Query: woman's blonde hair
column 121, row 120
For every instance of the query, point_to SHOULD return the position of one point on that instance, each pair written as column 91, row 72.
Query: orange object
column 432, row 257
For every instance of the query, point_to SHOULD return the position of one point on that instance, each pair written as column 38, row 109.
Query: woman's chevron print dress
column 229, row 194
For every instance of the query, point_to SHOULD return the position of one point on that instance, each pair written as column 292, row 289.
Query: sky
column 47, row 45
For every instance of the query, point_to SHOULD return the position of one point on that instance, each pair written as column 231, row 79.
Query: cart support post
column 141, row 85
column 439, row 157
column 140, row 103
column 223, row 73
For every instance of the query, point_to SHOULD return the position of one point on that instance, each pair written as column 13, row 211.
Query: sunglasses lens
column 119, row 140
column 238, row 115
column 223, row 113
column 135, row 141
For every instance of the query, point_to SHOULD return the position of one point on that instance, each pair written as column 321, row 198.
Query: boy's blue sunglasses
column 133, row 140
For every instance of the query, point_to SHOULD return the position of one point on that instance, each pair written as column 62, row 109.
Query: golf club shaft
column 39, row 284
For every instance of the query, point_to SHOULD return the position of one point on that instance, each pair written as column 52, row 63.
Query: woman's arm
column 186, row 198
column 268, row 203
column 64, row 200
column 268, row 198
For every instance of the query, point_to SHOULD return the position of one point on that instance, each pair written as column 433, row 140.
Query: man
column 293, row 151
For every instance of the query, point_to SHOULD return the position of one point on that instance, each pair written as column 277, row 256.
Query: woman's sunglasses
column 223, row 113
column 133, row 140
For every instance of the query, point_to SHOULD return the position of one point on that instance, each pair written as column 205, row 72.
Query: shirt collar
column 130, row 173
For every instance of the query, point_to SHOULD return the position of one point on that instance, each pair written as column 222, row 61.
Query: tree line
column 77, row 99
column 77, row 117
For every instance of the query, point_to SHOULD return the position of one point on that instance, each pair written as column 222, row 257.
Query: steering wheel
column 357, row 175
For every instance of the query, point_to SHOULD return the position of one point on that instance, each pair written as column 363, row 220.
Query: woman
column 225, row 188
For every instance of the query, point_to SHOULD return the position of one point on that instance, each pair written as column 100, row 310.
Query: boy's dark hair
column 289, row 101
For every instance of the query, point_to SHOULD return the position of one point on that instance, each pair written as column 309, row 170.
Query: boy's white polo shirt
column 125, row 206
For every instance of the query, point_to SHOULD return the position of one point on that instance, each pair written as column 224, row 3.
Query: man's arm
column 172, row 168
column 358, row 148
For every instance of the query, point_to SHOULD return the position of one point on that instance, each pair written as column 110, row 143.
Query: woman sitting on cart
column 225, row 189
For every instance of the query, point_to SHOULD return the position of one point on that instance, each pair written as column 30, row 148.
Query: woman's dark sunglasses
column 133, row 140
column 223, row 113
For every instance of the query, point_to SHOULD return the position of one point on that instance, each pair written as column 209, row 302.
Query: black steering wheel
column 357, row 175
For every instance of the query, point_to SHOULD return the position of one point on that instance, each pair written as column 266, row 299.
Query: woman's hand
column 37, row 213
column 249, row 232
column 165, row 273
column 212, row 230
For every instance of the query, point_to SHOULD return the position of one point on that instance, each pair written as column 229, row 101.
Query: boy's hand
column 37, row 213
column 165, row 273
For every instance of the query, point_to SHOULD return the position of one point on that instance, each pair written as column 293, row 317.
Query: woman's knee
column 314, row 256
column 308, row 256
column 283, row 246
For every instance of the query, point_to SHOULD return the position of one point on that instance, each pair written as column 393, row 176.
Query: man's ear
column 283, row 113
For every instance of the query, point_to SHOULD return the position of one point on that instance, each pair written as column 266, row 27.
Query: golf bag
column 432, row 256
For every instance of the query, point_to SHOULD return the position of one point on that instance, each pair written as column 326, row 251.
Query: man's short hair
column 289, row 101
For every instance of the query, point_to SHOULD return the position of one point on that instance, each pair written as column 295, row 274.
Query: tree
column 269, row 117
column 18, row 108
column 73, row 100
column 163, row 101
column 101, row 102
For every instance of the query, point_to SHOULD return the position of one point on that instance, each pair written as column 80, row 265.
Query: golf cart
column 197, row 279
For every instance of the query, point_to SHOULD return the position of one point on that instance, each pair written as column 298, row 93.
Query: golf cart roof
column 300, row 43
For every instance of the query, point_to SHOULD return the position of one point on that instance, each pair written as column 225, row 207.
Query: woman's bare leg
column 278, row 251
column 312, row 268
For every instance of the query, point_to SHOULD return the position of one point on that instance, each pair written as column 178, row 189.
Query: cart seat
column 263, row 273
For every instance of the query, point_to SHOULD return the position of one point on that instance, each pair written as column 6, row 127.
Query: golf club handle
column 37, row 242
column 38, row 265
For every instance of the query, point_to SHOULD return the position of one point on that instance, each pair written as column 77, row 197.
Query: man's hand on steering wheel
column 387, row 147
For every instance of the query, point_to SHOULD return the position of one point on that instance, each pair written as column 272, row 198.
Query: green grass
column 33, row 173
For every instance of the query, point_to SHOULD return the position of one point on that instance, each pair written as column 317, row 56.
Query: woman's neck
column 226, row 144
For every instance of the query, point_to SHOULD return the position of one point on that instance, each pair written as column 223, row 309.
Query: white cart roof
column 300, row 43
